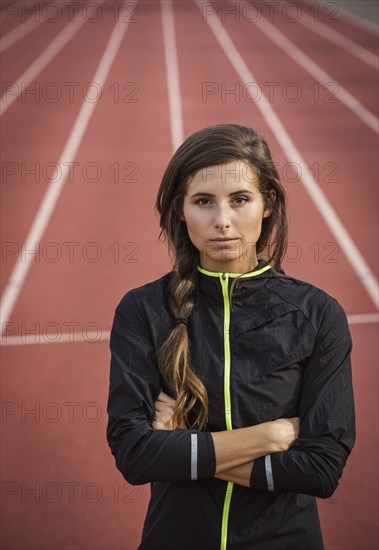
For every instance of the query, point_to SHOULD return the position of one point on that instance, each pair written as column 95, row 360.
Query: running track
column 81, row 165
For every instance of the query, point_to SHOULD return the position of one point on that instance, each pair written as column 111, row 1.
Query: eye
column 245, row 199
column 198, row 201
column 240, row 199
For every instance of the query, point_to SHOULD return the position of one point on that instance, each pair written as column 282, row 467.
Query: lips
column 222, row 240
column 224, row 243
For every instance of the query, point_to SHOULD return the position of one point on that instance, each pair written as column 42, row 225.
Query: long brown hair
column 211, row 146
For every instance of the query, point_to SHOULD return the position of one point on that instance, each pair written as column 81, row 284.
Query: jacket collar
column 262, row 269
column 250, row 284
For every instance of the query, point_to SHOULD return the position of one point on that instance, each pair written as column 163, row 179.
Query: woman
column 230, row 384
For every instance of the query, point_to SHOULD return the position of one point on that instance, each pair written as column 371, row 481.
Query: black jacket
column 282, row 350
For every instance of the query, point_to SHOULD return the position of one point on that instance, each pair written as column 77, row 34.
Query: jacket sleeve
column 143, row 454
column 315, row 461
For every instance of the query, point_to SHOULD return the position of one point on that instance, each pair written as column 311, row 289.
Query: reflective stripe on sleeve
column 270, row 481
column 193, row 456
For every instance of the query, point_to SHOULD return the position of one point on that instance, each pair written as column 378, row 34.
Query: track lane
column 348, row 25
column 344, row 68
column 59, row 451
column 29, row 157
column 337, row 38
column 353, row 99
column 17, row 59
column 51, row 14
column 62, row 173
column 47, row 56
column 104, row 200
column 14, row 14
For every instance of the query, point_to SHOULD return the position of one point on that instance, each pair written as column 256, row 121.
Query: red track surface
column 68, row 382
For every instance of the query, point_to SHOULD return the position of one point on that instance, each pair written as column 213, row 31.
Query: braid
column 173, row 355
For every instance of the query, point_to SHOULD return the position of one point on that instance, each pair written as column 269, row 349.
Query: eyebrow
column 202, row 194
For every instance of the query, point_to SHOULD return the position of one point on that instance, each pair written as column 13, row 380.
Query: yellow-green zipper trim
column 219, row 274
column 224, row 279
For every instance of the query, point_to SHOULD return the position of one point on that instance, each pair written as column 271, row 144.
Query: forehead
column 226, row 175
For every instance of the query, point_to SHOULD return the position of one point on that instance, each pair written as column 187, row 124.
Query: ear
column 268, row 211
column 179, row 212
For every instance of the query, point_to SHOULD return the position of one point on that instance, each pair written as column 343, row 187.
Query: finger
column 161, row 417
column 162, row 403
column 164, row 409
column 165, row 398
column 164, row 413
column 162, row 395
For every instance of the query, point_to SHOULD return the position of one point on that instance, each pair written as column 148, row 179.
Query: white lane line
column 21, row 268
column 350, row 249
column 30, row 24
column 94, row 336
column 63, row 338
column 172, row 74
column 349, row 16
column 318, row 73
column 44, row 59
column 340, row 40
column 363, row 318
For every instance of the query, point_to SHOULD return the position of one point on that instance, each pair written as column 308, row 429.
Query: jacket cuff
column 261, row 475
column 203, row 456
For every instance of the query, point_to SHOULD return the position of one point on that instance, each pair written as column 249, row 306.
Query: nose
column 222, row 219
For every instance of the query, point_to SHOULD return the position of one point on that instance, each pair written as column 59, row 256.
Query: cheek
column 193, row 226
column 195, row 222
column 195, row 233
column 252, row 221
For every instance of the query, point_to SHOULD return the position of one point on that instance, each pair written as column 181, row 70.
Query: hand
column 286, row 430
column 164, row 410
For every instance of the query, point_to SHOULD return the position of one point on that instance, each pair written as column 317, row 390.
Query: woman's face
column 224, row 202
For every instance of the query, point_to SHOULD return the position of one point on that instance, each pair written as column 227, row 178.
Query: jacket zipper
column 224, row 279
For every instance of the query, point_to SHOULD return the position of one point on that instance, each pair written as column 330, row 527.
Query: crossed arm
column 235, row 452
column 278, row 455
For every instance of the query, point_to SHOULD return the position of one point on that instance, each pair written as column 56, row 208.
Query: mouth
column 223, row 240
